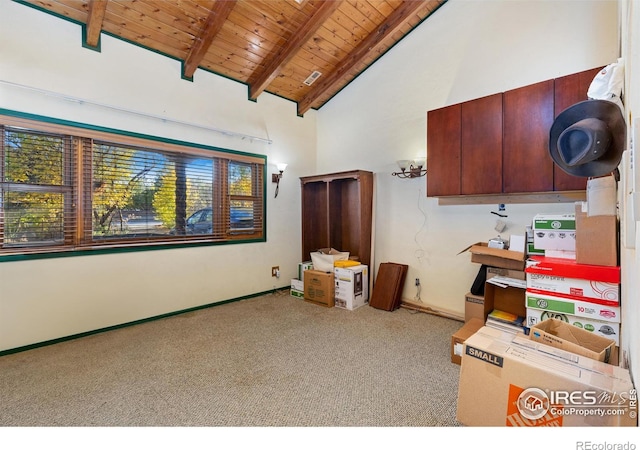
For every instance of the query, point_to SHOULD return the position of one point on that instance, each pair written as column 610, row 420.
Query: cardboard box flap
column 482, row 248
column 503, row 281
column 560, row 267
column 560, row 334
column 573, row 334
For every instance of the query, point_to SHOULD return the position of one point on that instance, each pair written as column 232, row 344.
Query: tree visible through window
column 35, row 188
column 62, row 191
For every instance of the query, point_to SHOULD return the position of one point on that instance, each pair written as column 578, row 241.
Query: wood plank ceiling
column 269, row 45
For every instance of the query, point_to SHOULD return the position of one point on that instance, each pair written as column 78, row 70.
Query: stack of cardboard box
column 565, row 372
column 346, row 286
column 583, row 295
column 578, row 278
column 509, row 297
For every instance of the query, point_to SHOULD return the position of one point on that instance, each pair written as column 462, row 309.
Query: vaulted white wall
column 52, row 298
column 466, row 50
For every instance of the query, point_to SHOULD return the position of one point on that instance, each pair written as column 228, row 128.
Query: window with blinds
column 62, row 190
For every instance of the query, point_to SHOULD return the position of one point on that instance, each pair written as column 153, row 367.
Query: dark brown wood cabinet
column 499, row 144
column 337, row 212
column 570, row 90
column 528, row 116
column 464, row 154
column 481, row 146
column 443, row 157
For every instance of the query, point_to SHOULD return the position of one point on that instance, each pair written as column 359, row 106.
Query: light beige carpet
column 273, row 360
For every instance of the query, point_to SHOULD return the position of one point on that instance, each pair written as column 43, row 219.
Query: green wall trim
column 84, row 126
column 135, row 322
column 111, row 250
column 97, row 48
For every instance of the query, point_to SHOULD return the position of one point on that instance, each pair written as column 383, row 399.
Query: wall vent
column 311, row 78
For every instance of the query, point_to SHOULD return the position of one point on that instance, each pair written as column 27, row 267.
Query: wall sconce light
column 411, row 169
column 275, row 177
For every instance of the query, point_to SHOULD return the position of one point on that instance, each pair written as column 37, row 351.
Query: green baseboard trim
column 136, row 322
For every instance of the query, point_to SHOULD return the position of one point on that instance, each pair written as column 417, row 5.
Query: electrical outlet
column 275, row 271
column 417, row 281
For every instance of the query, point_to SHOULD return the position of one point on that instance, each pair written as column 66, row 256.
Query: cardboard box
column 563, row 254
column 572, row 307
column 509, row 299
column 481, row 253
column 554, row 232
column 506, row 380
column 562, row 335
column 351, row 286
column 297, row 288
column 583, row 281
column 609, row 330
column 602, row 196
column 532, row 250
column 473, row 307
column 596, row 239
column 319, row 288
column 499, row 272
column 458, row 338
column 306, row 265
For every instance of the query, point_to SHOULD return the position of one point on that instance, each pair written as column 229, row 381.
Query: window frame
column 79, row 135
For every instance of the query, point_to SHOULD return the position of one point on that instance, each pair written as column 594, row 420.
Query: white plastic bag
column 323, row 260
column 608, row 83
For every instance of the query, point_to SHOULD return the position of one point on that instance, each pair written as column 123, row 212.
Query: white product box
column 297, row 288
column 576, row 280
column 554, row 232
column 573, row 307
column 609, row 330
column 351, row 286
column 598, row 290
column 306, row 265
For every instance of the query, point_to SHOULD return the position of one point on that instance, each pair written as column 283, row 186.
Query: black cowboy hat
column 588, row 138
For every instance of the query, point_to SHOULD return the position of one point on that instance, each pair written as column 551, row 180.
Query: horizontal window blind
column 37, row 188
column 63, row 192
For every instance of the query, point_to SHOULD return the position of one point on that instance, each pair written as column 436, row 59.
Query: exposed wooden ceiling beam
column 216, row 19
column 261, row 79
column 97, row 9
column 395, row 20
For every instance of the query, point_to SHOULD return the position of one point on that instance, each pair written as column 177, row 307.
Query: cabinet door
column 528, row 116
column 481, row 146
column 570, row 90
column 443, row 151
